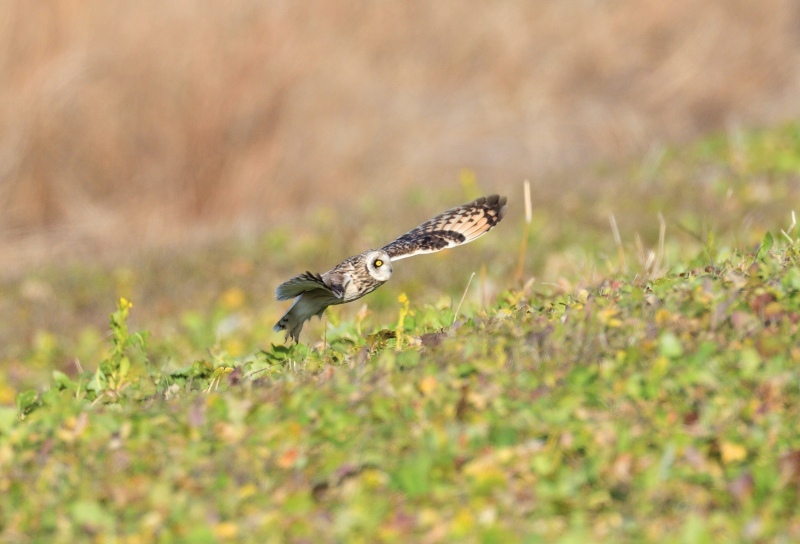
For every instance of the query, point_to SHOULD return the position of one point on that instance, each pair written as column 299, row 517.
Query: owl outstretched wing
column 452, row 228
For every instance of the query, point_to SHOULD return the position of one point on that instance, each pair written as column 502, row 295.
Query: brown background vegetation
column 128, row 124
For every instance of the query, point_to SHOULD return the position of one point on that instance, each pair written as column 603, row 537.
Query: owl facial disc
column 379, row 265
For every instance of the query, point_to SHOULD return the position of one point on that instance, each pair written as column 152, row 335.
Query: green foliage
column 614, row 403
column 27, row 402
column 112, row 374
column 604, row 414
column 766, row 245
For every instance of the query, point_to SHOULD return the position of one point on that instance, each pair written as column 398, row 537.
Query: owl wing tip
column 494, row 203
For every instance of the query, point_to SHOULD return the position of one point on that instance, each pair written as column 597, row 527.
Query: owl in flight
column 362, row 274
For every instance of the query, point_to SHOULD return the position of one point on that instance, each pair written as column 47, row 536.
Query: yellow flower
column 427, row 385
column 226, row 530
column 232, row 299
column 731, row 452
column 401, row 318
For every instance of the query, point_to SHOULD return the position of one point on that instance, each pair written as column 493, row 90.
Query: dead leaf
column 621, row 469
column 790, row 467
column 759, row 302
column 288, row 458
column 742, row 487
column 433, row 339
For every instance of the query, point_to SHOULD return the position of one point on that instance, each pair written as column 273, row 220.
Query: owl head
column 379, row 265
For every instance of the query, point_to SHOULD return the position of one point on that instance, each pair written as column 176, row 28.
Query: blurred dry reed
column 127, row 124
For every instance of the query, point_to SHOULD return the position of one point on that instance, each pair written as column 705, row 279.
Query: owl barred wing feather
column 454, row 227
column 307, row 281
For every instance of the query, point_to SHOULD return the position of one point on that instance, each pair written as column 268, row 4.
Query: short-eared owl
column 362, row 274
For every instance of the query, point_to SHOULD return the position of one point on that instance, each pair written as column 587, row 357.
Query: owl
column 361, row 274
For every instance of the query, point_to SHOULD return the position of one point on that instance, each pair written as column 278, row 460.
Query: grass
column 623, row 395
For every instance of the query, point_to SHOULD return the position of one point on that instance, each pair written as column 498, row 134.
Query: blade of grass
column 463, row 296
column 526, row 187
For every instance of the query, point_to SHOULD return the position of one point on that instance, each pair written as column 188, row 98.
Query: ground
column 632, row 376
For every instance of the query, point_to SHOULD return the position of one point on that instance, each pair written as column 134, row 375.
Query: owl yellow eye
column 379, row 263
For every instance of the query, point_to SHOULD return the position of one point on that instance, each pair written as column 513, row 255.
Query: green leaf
column 124, row 367
column 766, row 245
column 670, row 346
column 792, row 279
column 413, row 475
column 63, row 381
column 91, row 515
column 98, row 382
column 27, row 401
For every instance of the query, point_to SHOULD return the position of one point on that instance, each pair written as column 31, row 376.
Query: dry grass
column 132, row 124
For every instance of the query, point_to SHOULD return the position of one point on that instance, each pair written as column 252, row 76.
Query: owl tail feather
column 302, row 309
column 290, row 323
column 284, row 325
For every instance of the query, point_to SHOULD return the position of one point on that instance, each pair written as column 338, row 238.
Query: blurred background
column 192, row 155
column 137, row 124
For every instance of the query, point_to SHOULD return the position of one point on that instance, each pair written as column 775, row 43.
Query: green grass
column 616, row 398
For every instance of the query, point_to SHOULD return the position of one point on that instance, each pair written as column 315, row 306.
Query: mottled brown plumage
column 361, row 274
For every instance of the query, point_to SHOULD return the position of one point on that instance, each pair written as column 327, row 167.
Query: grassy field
column 635, row 383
